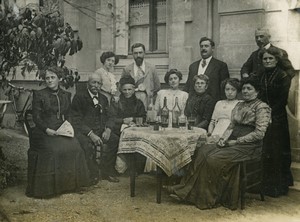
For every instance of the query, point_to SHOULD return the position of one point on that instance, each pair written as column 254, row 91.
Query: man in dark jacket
column 216, row 70
column 93, row 129
column 253, row 65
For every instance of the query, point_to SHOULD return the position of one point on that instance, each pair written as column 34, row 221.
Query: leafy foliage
column 35, row 40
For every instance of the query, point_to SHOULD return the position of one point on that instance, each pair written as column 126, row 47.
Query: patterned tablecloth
column 170, row 149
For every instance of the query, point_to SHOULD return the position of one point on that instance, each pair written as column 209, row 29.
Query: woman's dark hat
column 127, row 79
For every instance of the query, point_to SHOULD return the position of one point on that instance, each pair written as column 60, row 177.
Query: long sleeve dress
column 56, row 164
column 221, row 117
column 109, row 83
column 275, row 85
column 202, row 106
column 125, row 108
column 213, row 175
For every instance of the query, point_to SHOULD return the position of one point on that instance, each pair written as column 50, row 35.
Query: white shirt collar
column 207, row 60
column 135, row 67
column 201, row 70
column 267, row 46
column 92, row 95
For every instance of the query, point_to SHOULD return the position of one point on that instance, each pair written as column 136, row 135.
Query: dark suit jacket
column 217, row 71
column 254, row 64
column 86, row 117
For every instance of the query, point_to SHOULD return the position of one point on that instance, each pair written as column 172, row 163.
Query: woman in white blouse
column 109, row 83
column 172, row 78
column 221, row 117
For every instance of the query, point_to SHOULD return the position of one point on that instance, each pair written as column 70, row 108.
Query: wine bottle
column 164, row 113
column 151, row 113
column 175, row 114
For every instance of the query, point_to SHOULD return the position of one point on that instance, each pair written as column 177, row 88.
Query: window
column 147, row 24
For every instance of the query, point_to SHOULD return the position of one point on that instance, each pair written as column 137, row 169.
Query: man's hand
column 96, row 139
column 51, row 132
column 106, row 134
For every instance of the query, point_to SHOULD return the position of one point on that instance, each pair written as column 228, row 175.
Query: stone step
column 295, row 167
column 296, row 186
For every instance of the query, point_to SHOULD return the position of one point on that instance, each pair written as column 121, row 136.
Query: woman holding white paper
column 56, row 163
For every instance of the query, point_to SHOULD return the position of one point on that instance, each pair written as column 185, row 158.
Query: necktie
column 95, row 100
column 140, row 73
column 203, row 64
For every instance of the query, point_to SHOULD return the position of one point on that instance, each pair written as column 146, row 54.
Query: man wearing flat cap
column 253, row 65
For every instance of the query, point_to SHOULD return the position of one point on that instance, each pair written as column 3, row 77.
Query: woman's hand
column 221, row 142
column 51, row 132
column 128, row 120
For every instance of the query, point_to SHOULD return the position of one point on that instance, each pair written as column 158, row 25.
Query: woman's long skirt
column 55, row 165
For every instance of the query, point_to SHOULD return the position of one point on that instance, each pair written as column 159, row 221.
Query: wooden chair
column 251, row 173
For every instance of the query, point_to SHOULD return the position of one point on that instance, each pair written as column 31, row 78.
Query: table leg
column 132, row 175
column 159, row 175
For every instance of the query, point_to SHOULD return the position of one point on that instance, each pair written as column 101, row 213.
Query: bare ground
column 112, row 202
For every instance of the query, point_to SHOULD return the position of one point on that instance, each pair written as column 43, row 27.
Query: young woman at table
column 275, row 85
column 109, row 86
column 56, row 164
column 172, row 78
column 213, row 176
column 125, row 111
column 221, row 116
column 200, row 104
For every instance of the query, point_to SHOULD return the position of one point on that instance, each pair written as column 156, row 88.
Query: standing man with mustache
column 216, row 70
column 144, row 73
column 253, row 65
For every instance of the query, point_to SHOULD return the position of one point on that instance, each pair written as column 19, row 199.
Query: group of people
column 237, row 128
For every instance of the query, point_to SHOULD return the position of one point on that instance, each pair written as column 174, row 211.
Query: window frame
column 153, row 24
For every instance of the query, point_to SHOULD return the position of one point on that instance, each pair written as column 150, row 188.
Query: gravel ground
column 112, row 202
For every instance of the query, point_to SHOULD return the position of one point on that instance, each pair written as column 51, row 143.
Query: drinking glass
column 191, row 120
column 182, row 122
column 139, row 121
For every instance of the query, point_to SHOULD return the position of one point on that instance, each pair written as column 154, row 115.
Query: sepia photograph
column 149, row 110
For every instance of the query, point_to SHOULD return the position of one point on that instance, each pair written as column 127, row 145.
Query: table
column 170, row 149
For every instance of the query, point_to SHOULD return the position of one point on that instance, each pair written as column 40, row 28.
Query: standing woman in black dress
column 275, row 85
column 56, row 164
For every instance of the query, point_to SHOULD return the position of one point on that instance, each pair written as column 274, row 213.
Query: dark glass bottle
column 175, row 114
column 164, row 113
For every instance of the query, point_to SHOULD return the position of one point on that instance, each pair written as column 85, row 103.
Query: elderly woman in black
column 275, row 85
column 200, row 104
column 213, row 176
column 125, row 111
column 56, row 164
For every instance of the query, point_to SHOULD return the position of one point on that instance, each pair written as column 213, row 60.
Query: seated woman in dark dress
column 125, row 111
column 200, row 104
column 213, row 176
column 56, row 164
